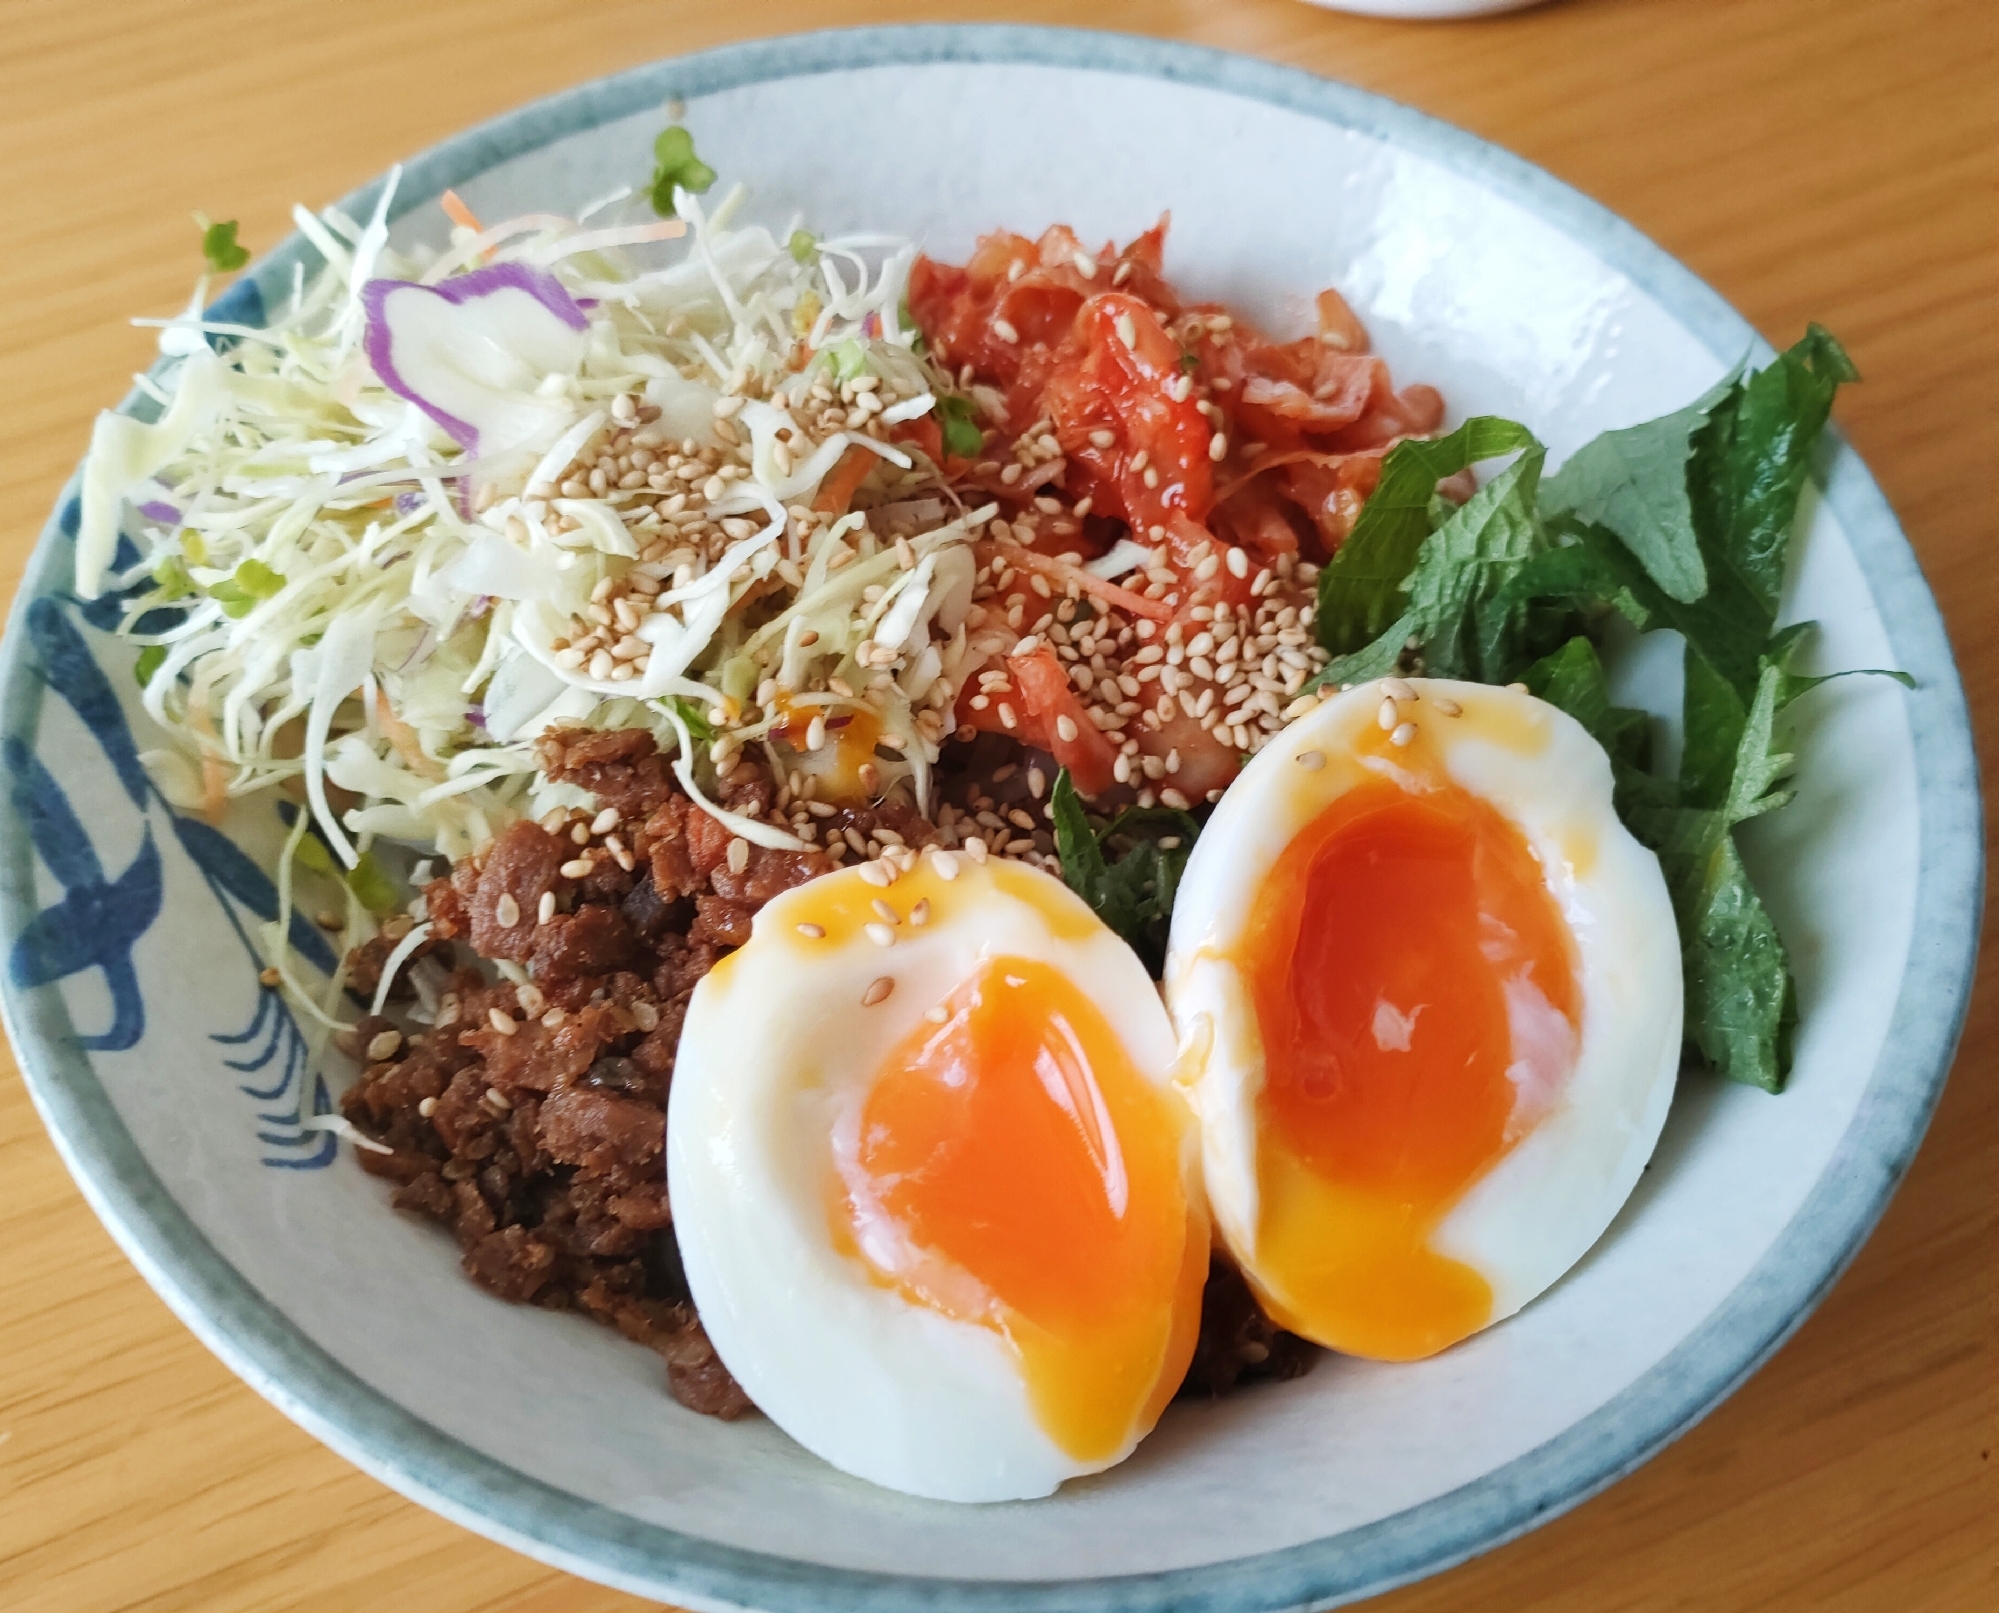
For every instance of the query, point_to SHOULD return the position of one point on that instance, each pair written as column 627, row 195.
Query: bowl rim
column 255, row 1339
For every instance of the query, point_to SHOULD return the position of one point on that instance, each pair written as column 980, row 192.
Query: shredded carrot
column 214, row 769
column 403, row 737
column 843, row 481
column 1061, row 570
column 456, row 210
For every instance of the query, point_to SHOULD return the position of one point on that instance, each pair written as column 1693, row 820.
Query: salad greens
column 676, row 165
column 220, row 246
column 958, row 421
column 1128, row 870
column 1684, row 523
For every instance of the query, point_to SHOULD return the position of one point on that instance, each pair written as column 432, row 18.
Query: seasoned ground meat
column 1238, row 1344
column 530, row 1119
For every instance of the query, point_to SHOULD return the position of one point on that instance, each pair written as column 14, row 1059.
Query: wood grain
column 1813, row 159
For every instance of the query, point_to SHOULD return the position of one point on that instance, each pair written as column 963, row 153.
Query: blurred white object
column 1425, row 10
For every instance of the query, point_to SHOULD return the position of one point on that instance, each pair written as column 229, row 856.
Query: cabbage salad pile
column 561, row 471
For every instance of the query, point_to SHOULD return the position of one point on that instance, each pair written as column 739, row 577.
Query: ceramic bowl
column 1426, row 10
column 176, row 1087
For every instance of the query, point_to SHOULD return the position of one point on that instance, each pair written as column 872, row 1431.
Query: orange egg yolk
column 1013, row 1169
column 1415, row 988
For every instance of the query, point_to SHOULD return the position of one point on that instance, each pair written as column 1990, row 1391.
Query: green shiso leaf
column 1129, row 871
column 1360, row 590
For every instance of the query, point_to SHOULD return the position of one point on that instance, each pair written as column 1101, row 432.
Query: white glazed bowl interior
column 1473, row 272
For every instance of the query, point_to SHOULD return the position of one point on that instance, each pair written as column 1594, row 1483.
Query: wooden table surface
column 1813, row 159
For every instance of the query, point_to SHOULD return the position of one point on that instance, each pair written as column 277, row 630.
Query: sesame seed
column 500, row 1022
column 885, row 913
column 975, row 848
column 496, row 1100
column 1006, row 713
column 937, row 1015
column 946, row 865
column 1086, row 266
column 1218, row 448
column 533, row 1003
column 1403, row 734
column 507, row 911
column 383, row 1045
column 1388, row 716
column 1517, row 688
column 1005, row 332
column 1065, row 729
column 576, row 868
column 1127, row 331
column 545, row 908
column 919, row 915
column 812, row 932
column 883, row 935
column 1311, row 760
column 427, row 1108
column 1173, row 798
column 878, row 992
column 1103, row 439
column 877, row 874
column 815, row 733
column 646, row 1015
column 1399, row 689
column 1446, row 707
column 1238, row 563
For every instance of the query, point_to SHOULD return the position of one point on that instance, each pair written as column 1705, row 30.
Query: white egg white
column 1535, row 1212
column 780, row 1047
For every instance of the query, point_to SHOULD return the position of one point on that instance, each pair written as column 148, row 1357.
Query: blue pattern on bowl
column 100, row 919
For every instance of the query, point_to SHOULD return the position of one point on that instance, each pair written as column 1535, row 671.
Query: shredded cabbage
column 360, row 602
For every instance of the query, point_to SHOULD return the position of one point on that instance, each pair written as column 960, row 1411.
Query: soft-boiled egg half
column 936, row 1193
column 1428, row 994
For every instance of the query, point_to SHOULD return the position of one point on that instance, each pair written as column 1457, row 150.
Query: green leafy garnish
column 959, row 420
column 849, row 360
column 675, row 164
column 802, row 246
column 1684, row 523
column 1740, row 1000
column 151, row 659
column 1131, row 889
column 171, row 578
column 371, row 884
column 695, row 715
column 1634, row 482
column 1360, row 589
column 251, row 582
column 220, row 247
column 312, row 853
column 1572, row 678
